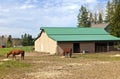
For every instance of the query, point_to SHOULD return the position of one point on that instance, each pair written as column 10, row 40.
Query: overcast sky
column 27, row 16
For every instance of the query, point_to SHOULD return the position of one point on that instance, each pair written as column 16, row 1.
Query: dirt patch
column 50, row 72
column 36, row 54
column 116, row 55
column 53, row 74
column 45, row 66
column 79, row 64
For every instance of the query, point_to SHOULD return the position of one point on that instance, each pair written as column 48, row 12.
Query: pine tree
column 30, row 40
column 108, row 11
column 116, row 1
column 83, row 18
column 91, row 18
column 100, row 18
column 115, row 22
column 95, row 18
column 27, row 40
column 111, row 5
column 9, row 41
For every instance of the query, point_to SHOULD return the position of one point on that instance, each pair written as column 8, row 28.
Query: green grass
column 101, row 56
column 12, row 67
column 13, row 64
column 3, row 51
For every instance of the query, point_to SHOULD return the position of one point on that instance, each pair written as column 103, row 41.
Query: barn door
column 76, row 47
column 101, row 47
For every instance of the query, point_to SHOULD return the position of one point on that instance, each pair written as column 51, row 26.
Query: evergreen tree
column 115, row 22
column 30, row 40
column 108, row 17
column 100, row 18
column 116, row 1
column 91, row 18
column 111, row 9
column 9, row 41
column 27, row 40
column 95, row 18
column 83, row 20
column 24, row 40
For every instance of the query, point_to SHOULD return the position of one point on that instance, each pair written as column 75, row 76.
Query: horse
column 16, row 52
column 67, row 51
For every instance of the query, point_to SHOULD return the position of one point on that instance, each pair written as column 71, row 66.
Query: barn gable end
column 45, row 44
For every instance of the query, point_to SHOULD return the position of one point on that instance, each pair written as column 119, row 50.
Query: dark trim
column 91, row 41
column 39, row 35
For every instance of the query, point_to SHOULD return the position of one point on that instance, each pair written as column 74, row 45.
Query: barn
column 54, row 40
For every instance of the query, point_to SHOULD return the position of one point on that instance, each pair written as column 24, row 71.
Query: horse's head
column 7, row 55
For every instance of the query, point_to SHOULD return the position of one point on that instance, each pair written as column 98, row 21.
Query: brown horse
column 16, row 52
column 67, row 51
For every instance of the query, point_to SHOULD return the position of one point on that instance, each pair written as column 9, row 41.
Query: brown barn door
column 76, row 47
column 101, row 47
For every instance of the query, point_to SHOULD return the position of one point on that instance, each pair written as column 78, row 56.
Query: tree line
column 25, row 40
column 113, row 17
column 86, row 18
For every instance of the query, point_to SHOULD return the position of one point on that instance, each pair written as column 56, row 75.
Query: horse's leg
column 65, row 54
column 14, row 57
column 70, row 53
column 22, row 55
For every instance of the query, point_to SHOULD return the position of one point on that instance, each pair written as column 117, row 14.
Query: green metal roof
column 73, row 31
column 78, row 34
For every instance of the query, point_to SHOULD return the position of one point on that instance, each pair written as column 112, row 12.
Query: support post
column 108, row 47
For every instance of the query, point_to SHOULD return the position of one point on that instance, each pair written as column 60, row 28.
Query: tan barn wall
column 87, row 46
column 37, row 45
column 45, row 44
column 61, row 46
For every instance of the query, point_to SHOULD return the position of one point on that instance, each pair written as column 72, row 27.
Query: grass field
column 3, row 51
column 80, row 66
